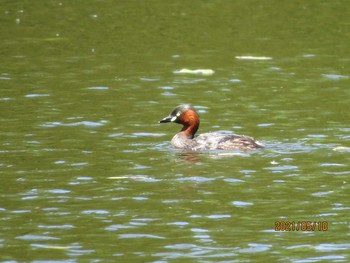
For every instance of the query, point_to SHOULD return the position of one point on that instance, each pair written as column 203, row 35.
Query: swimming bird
column 187, row 139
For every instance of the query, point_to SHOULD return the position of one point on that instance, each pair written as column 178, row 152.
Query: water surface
column 88, row 174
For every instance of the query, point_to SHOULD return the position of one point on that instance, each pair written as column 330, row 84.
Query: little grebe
column 186, row 115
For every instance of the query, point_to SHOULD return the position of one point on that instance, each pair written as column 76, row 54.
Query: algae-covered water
column 87, row 174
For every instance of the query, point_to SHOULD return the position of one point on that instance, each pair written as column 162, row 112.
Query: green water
column 87, row 174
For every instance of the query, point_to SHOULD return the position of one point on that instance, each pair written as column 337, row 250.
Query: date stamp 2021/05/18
column 301, row 225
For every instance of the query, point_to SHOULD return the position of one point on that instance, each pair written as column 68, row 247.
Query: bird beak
column 166, row 119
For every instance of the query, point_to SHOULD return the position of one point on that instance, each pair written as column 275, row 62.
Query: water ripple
column 79, row 123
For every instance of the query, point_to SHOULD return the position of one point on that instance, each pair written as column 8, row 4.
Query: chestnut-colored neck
column 190, row 121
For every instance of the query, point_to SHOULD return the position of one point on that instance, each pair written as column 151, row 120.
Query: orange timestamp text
column 301, row 225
